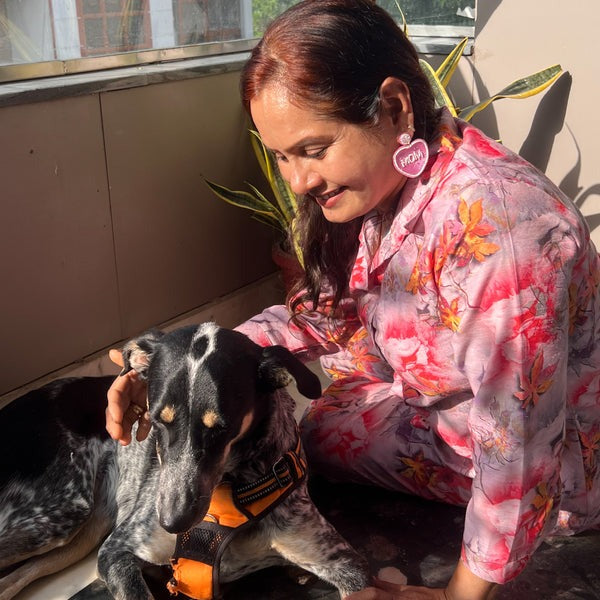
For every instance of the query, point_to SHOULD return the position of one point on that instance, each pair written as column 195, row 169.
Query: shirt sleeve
column 506, row 271
column 310, row 335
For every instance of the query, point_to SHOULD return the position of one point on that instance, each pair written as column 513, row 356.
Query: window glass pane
column 433, row 12
column 264, row 11
column 42, row 31
column 94, row 33
column 91, row 6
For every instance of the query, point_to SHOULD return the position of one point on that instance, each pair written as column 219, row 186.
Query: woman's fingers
column 144, row 426
column 392, row 575
column 116, row 356
column 126, row 405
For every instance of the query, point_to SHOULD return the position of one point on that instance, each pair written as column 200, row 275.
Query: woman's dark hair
column 333, row 55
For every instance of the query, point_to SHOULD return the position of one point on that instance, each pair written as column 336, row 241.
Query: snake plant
column 440, row 78
column 521, row 88
column 279, row 211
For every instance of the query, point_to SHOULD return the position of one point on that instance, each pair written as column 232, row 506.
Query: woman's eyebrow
column 302, row 143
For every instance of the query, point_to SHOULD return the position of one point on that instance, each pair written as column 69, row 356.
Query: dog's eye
column 211, row 420
column 167, row 414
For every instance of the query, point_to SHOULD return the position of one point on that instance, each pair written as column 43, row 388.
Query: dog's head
column 206, row 387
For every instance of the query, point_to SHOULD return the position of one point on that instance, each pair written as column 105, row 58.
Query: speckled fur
column 165, row 482
column 57, row 480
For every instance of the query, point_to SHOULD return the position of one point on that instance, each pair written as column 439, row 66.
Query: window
column 433, row 12
column 111, row 26
column 49, row 37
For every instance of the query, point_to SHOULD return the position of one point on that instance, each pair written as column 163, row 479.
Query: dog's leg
column 84, row 541
column 121, row 572
column 311, row 542
column 137, row 540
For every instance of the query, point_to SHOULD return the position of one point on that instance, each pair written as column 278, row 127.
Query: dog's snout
column 181, row 518
column 175, row 523
column 180, row 509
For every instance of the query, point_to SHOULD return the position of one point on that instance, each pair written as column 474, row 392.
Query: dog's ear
column 277, row 368
column 137, row 353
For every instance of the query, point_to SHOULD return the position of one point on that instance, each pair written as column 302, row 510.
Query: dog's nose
column 176, row 523
column 179, row 513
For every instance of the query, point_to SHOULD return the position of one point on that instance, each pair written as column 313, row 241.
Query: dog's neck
column 273, row 433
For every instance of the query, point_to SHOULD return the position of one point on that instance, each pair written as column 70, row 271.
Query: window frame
column 428, row 39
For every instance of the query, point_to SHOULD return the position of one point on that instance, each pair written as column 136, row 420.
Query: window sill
column 439, row 45
column 77, row 84
column 52, row 88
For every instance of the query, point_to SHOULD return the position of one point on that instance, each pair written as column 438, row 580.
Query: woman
column 450, row 289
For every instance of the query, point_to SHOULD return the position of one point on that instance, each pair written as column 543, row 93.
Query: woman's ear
column 396, row 103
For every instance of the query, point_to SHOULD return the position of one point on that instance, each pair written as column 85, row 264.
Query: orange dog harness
column 198, row 551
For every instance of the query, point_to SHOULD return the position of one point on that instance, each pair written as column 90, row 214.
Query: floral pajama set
column 470, row 372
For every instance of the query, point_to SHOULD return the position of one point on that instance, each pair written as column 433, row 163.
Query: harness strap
column 198, row 551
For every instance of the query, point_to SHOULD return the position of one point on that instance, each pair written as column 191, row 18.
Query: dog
column 220, row 413
column 58, row 479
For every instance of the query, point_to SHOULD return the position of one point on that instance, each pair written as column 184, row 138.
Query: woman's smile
column 329, row 199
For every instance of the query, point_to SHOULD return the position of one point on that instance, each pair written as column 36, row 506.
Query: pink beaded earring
column 411, row 157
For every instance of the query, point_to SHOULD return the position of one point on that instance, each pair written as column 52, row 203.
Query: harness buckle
column 274, row 469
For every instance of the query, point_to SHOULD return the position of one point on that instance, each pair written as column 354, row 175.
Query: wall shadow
column 548, row 121
column 571, row 187
column 484, row 11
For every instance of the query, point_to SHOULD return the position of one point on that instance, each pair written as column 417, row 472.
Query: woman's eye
column 316, row 153
column 280, row 158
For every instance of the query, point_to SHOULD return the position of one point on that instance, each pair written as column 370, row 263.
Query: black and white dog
column 219, row 412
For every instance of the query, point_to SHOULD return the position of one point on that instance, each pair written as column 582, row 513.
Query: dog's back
column 54, row 451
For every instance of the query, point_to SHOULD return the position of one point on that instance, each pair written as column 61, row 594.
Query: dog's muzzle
column 198, row 551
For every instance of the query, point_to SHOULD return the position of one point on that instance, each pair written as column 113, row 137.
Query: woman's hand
column 127, row 404
column 390, row 584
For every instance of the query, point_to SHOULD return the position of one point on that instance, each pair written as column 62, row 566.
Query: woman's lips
column 328, row 200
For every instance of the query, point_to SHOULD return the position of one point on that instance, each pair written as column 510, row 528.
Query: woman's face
column 347, row 169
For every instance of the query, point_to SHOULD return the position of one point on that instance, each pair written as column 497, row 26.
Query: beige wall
column 559, row 130
column 106, row 226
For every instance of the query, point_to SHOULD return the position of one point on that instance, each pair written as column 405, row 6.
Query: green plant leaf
column 257, row 203
column 284, row 197
column 260, row 151
column 404, row 23
column 273, row 208
column 267, row 220
column 446, row 69
column 439, row 91
column 521, row 88
column 296, row 243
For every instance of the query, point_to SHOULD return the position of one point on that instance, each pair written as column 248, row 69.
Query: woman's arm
column 309, row 336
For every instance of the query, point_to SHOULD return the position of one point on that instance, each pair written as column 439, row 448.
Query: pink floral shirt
column 480, row 310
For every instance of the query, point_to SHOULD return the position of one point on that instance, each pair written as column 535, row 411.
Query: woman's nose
column 303, row 180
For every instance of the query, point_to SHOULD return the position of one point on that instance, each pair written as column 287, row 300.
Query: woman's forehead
column 283, row 122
